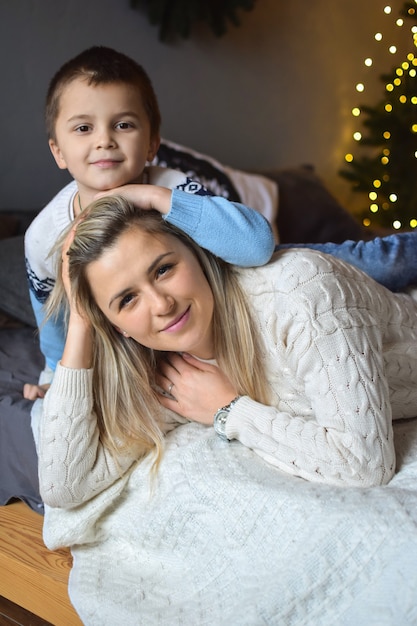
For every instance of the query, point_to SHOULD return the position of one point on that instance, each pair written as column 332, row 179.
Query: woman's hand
column 143, row 196
column 197, row 389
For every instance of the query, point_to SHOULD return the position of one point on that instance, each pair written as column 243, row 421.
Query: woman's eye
column 125, row 301
column 164, row 269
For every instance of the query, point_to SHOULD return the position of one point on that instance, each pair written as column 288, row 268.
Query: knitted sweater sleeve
column 230, row 230
column 73, row 464
column 330, row 419
column 40, row 238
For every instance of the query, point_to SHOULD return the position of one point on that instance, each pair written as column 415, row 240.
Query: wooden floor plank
column 32, row 576
column 13, row 615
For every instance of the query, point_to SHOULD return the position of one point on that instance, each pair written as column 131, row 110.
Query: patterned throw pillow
column 257, row 192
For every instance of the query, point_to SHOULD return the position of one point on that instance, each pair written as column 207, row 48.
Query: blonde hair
column 125, row 399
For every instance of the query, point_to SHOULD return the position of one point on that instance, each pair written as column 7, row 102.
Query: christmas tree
column 386, row 171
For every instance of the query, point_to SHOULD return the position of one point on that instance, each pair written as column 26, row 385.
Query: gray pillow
column 14, row 294
column 308, row 212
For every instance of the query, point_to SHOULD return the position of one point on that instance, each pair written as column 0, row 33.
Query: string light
column 397, row 90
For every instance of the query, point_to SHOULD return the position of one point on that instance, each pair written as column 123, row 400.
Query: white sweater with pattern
column 341, row 359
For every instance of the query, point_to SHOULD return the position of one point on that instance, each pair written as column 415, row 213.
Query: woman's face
column 152, row 288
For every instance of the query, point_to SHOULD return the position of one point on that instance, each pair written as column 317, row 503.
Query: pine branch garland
column 177, row 17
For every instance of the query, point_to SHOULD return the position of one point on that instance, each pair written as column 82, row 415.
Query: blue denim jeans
column 391, row 260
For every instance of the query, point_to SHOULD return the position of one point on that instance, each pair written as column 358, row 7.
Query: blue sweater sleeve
column 51, row 334
column 230, row 230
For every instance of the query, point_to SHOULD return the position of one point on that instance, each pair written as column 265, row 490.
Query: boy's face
column 102, row 135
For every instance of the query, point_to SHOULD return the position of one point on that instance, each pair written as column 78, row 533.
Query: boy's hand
column 32, row 392
column 143, row 196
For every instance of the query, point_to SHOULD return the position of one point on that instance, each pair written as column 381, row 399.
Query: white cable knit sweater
column 341, row 358
column 225, row 538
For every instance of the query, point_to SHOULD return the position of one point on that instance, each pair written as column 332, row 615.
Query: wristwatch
column 220, row 419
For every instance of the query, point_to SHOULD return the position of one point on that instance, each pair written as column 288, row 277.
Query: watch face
column 221, row 417
column 220, row 423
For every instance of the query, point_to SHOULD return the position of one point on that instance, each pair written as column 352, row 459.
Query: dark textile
column 20, row 362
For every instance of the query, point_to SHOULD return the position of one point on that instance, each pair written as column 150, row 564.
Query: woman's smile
column 179, row 322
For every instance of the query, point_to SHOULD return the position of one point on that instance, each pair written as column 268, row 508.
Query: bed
column 341, row 556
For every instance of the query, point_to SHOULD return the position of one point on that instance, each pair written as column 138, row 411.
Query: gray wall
column 275, row 92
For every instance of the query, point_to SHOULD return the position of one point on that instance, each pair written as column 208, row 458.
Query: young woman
column 306, row 360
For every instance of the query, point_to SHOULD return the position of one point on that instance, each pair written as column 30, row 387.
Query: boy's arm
column 40, row 269
column 230, row 230
column 51, row 341
column 51, row 333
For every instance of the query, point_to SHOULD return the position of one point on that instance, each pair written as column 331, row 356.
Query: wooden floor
column 32, row 577
column 13, row 615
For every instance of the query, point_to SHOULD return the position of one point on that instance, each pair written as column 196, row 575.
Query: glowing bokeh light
column 406, row 68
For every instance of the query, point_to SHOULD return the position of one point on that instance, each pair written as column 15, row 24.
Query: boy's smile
column 103, row 136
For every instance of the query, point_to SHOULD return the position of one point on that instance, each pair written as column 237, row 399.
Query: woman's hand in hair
column 78, row 348
column 192, row 388
column 65, row 262
column 145, row 197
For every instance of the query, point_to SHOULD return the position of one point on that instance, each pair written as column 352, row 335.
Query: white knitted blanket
column 226, row 539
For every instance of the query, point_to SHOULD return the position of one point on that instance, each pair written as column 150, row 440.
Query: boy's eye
column 83, row 128
column 124, row 125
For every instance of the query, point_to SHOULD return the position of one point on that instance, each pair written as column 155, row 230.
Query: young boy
column 103, row 123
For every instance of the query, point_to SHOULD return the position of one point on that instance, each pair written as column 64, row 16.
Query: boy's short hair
column 101, row 65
